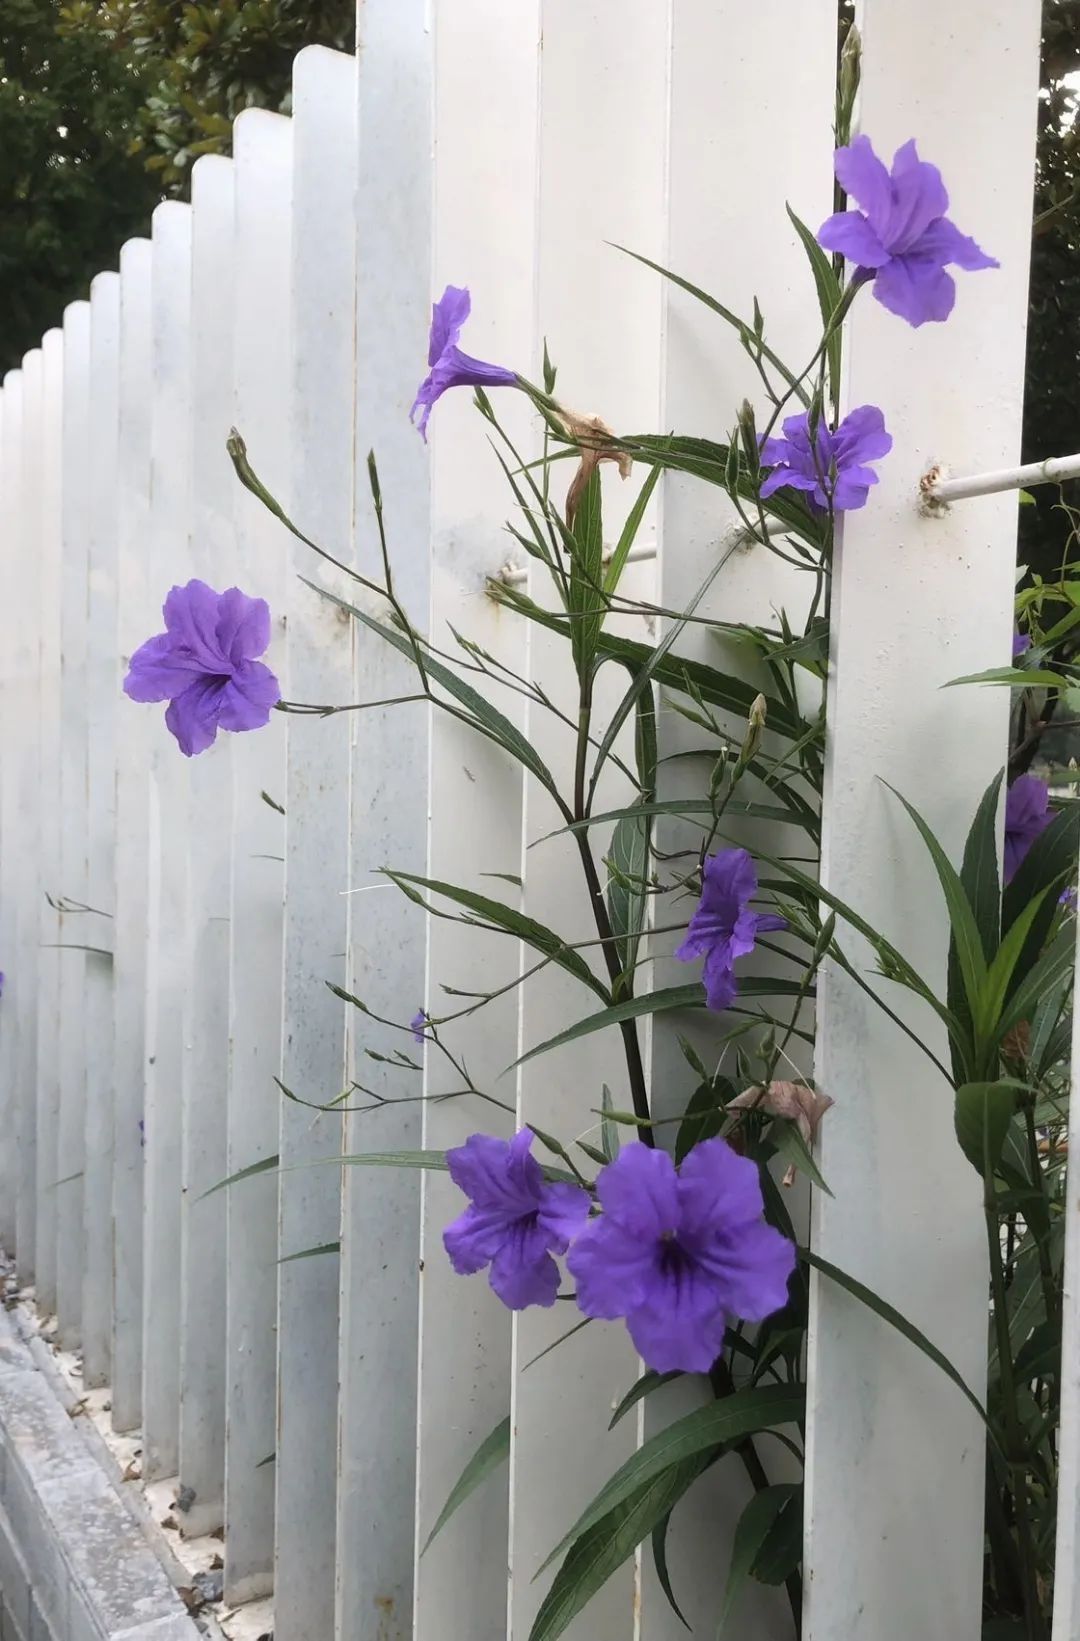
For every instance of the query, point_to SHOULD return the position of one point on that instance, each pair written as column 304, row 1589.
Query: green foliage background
column 104, row 107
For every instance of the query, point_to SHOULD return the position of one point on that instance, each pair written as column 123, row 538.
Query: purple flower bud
column 723, row 927
column 449, row 367
column 417, row 1025
column 204, row 665
column 901, row 239
column 1021, row 643
column 1026, row 818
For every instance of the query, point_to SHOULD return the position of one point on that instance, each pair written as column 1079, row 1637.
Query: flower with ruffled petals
column 204, row 665
column 831, row 466
column 901, row 238
column 515, row 1221
column 1026, row 817
column 723, row 927
column 680, row 1253
column 448, row 366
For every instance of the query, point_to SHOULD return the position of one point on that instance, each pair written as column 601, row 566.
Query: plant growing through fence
column 677, row 1225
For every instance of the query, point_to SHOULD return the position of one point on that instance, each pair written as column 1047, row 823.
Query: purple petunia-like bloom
column 832, row 467
column 901, row 239
column 723, row 927
column 1027, row 816
column 515, row 1221
column 204, row 665
column 680, row 1253
column 448, row 366
column 1021, row 643
column 418, row 1025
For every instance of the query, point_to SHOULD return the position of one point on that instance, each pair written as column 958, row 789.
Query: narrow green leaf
column 895, row 1319
column 488, row 721
column 726, row 314
column 828, row 293
column 1049, row 864
column 513, row 922
column 586, row 601
column 644, row 1386
column 609, row 1131
column 979, row 869
column 597, row 1552
column 659, row 1550
column 312, row 1253
column 1018, row 677
column 561, row 1340
column 981, row 1115
column 1047, row 974
column 1000, row 973
column 696, row 1433
column 789, row 1144
column 781, row 1552
column 629, row 531
column 493, row 1451
column 271, row 1458
column 965, row 933
column 395, row 1159
column 750, row 1535
column 704, row 1115
column 627, row 901
column 266, row 1166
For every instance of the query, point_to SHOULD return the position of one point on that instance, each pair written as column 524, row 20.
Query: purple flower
column 449, row 366
column 723, row 927
column 901, row 239
column 680, row 1254
column 515, row 1220
column 1026, row 817
column 417, row 1025
column 1, row 983
column 832, row 466
column 204, row 665
column 1021, row 643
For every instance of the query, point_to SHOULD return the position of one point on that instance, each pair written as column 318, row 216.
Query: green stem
column 631, row 1046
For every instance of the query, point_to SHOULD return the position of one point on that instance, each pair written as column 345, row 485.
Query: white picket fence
column 166, row 933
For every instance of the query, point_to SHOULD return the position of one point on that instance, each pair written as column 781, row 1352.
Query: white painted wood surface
column 135, row 618
column 23, row 639
column 65, row 1186
column 319, row 669
column 483, row 233
column 39, row 1137
column 167, row 972
column 102, row 695
column 907, row 1208
column 204, row 1078
column 10, row 465
column 263, row 174
column 380, row 1212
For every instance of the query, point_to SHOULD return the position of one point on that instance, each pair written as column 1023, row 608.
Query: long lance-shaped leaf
column 629, row 531
column 897, row 1320
column 828, row 292
column 965, row 931
column 487, row 719
column 493, row 1451
column 657, row 1002
column 726, row 314
column 750, row 1535
column 674, row 672
column 597, row 1553
column 512, row 922
column 1048, row 973
column 702, row 1431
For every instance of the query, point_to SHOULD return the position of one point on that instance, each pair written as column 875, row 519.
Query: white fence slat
column 483, row 235
column 604, row 90
column 25, row 750
column 66, row 1183
column 102, row 695
column 27, row 753
column 316, row 798
column 170, row 840
column 916, row 602
column 380, row 1213
column 1067, row 1547
column 263, row 174
column 206, row 1025
column 135, row 615
column 742, row 246
column 43, row 1134
column 10, row 1166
